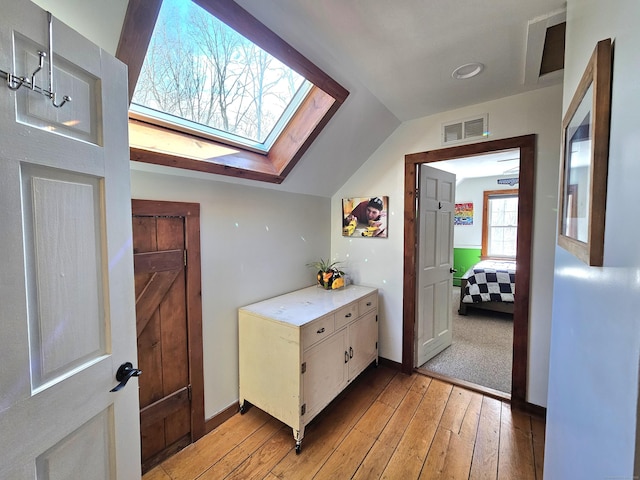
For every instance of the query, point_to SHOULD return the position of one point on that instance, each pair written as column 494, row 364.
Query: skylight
column 215, row 90
column 202, row 76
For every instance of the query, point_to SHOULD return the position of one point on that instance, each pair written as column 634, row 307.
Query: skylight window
column 214, row 90
column 200, row 75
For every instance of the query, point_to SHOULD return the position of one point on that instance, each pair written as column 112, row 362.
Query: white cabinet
column 363, row 335
column 298, row 351
column 325, row 372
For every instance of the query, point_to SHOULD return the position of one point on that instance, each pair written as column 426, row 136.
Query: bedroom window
column 214, row 90
column 500, row 223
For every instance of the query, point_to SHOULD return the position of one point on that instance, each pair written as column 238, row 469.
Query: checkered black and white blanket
column 490, row 281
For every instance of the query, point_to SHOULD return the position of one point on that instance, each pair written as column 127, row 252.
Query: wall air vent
column 470, row 129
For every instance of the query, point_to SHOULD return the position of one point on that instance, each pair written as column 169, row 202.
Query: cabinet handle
column 321, row 330
column 368, row 304
column 346, row 357
column 350, row 352
column 348, row 315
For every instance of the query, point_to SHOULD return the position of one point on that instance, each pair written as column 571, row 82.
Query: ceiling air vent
column 465, row 130
column 544, row 56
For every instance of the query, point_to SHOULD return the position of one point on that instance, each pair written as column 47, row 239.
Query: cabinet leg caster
column 297, row 436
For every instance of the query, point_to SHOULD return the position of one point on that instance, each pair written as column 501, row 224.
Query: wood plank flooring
column 385, row 425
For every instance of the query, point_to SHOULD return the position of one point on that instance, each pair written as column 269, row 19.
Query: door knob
column 452, row 270
column 124, row 374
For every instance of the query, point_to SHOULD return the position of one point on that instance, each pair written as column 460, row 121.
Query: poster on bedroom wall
column 365, row 217
column 463, row 214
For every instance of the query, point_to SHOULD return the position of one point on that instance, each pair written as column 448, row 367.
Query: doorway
column 166, row 246
column 526, row 146
column 484, row 228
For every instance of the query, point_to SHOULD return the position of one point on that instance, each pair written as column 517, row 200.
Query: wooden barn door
column 169, row 326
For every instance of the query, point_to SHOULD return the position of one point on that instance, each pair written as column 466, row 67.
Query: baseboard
column 161, row 456
column 389, row 364
column 531, row 409
column 221, row 417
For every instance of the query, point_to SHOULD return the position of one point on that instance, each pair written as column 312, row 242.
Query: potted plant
column 329, row 276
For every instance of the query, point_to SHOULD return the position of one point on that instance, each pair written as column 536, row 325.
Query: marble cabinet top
column 302, row 306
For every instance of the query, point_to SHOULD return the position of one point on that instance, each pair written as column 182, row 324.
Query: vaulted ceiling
column 404, row 52
column 395, row 57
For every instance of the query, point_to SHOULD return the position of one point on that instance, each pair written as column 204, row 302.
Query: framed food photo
column 365, row 217
column 585, row 151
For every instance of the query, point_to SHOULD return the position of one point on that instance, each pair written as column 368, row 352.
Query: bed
column 489, row 285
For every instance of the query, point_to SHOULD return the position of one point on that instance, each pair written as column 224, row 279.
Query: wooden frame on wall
column 585, row 151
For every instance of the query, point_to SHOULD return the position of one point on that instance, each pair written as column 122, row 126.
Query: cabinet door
column 326, row 373
column 363, row 338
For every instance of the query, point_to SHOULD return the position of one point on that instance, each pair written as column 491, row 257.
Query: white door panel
column 435, row 261
column 363, row 338
column 66, row 288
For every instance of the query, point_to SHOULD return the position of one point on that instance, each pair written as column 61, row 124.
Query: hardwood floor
column 384, row 425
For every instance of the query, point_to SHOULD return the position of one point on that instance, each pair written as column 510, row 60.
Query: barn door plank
column 164, row 268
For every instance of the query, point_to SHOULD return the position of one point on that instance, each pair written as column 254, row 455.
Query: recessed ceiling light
column 467, row 71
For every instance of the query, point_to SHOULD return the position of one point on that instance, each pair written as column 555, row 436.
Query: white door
column 66, row 268
column 435, row 262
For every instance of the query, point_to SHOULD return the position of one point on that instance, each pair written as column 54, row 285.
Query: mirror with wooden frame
column 585, row 151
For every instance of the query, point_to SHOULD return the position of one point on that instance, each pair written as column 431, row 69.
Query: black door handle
column 124, row 374
column 452, row 270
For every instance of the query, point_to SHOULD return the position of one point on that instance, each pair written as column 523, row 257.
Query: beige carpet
column 481, row 351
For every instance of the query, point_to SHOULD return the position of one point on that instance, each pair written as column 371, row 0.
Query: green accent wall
column 463, row 260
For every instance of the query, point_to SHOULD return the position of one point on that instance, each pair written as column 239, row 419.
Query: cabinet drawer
column 367, row 304
column 317, row 330
column 346, row 314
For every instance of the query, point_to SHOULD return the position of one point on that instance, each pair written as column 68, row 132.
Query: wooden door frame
column 191, row 214
column 526, row 146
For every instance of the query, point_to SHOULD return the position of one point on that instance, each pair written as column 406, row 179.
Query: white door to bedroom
column 435, row 262
column 66, row 287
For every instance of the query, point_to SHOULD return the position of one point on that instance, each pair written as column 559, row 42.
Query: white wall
column 472, row 190
column 593, row 385
column 97, row 20
column 255, row 244
column 379, row 262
